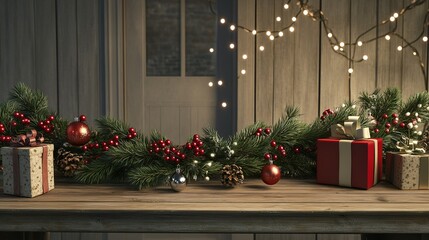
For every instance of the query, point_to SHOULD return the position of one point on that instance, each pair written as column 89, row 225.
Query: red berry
column 131, row 130
column 280, row 148
column 297, row 150
column 197, row 153
column 2, row 138
column 258, row 134
column 129, row 136
column 395, row 122
column 376, row 130
column 283, row 152
column 388, row 125
column 13, row 123
column 402, row 124
column 196, row 137
column 188, row 146
column 194, row 144
column 182, row 156
column 116, row 138
column 322, row 118
column 200, row 143
column 111, row 143
column 47, row 122
column 196, row 149
column 167, row 142
column 8, row 138
column 84, row 148
column 21, row 115
column 40, row 124
column 267, row 156
column 157, row 149
column 385, row 116
column 105, row 148
column 275, row 157
column 259, row 130
column 48, row 130
column 387, row 130
column 134, row 134
column 273, row 143
column 91, row 145
column 395, row 115
column 2, row 129
column 173, row 158
column 16, row 114
column 173, row 149
column 103, row 144
column 52, row 117
column 325, row 113
column 167, row 151
column 202, row 151
column 1, row 125
column 116, row 143
column 82, row 118
column 267, row 131
column 167, row 158
column 96, row 145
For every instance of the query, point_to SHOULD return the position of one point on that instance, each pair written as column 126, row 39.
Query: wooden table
column 291, row 206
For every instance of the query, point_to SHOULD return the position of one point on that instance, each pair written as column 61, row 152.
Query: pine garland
column 148, row 161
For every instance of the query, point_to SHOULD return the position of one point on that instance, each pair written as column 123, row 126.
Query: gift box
column 28, row 171
column 349, row 163
column 407, row 171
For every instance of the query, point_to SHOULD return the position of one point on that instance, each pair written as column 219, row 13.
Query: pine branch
column 149, row 176
column 100, row 170
column 107, row 127
column 30, row 102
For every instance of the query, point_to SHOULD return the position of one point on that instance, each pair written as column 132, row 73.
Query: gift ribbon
column 345, row 162
column 350, row 130
column 31, row 139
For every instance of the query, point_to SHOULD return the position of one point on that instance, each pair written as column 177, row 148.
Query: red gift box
column 349, row 163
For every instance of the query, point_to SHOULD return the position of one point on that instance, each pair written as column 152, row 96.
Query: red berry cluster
column 167, row 151
column 20, row 117
column 105, row 146
column 47, row 126
column 196, row 146
column 131, row 133
column 260, row 132
column 326, row 113
column 276, row 147
column 388, row 123
column 4, row 138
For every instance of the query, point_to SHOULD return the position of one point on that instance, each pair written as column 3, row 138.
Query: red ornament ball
column 402, row 125
column 385, row 116
column 82, row 118
column 270, row 174
column 78, row 133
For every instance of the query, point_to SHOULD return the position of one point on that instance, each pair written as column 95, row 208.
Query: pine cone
column 68, row 162
column 232, row 175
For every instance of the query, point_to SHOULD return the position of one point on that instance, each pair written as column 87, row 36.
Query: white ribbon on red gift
column 351, row 130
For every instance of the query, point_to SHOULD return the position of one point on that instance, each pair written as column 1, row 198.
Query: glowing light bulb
column 425, row 39
column 392, row 18
column 278, row 19
column 211, row 84
column 336, row 47
column 254, row 32
column 232, row 27
column 387, row 37
column 280, row 34
column 220, row 82
column 359, row 43
column 222, row 20
column 291, row 29
column 232, row 46
column 286, row 6
column 305, row 12
column 268, row 33
column 272, row 37
column 244, row 56
column 395, row 15
column 261, row 48
column 350, row 70
column 341, row 49
column 329, row 35
column 399, row 48
column 365, row 57
column 211, row 50
column 224, row 104
column 243, row 71
column 342, row 44
column 293, row 19
column 414, row 53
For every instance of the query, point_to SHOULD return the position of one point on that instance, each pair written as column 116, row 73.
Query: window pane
column 200, row 37
column 163, row 37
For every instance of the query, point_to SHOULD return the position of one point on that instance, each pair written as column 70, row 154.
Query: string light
column 392, row 18
column 220, row 82
column 395, row 15
column 291, row 29
column 399, row 48
column 272, row 37
column 222, row 20
column 286, row 6
column 414, row 53
column 211, row 50
column 329, row 35
column 211, row 84
column 278, row 19
column 261, row 48
column 232, row 46
column 254, row 32
column 243, row 71
column 280, row 34
column 360, row 43
column 336, row 47
column 425, row 39
column 365, row 57
column 342, row 44
column 224, row 105
column 387, row 37
column 305, row 12
column 293, row 19
column 268, row 33
column 350, row 70
column 232, row 27
column 244, row 56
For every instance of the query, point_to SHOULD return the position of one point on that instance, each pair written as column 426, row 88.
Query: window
column 164, row 34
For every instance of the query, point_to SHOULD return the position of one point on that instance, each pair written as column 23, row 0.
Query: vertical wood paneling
column 46, row 50
column 91, row 236
column 88, row 59
column 67, row 59
column 185, row 126
column 283, row 67
column 55, row 235
column 334, row 79
column 246, row 82
column 389, row 72
column 306, row 59
column 170, row 122
column 16, row 44
column 285, row 237
column 264, row 62
column 363, row 77
column 154, row 118
column 412, row 77
column 114, row 60
column 134, row 63
column 70, row 236
column 338, row 237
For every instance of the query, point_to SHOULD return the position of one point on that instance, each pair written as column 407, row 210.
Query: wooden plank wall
column 301, row 69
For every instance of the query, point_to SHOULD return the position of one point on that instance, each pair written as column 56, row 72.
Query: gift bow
column 31, row 139
column 350, row 130
column 410, row 146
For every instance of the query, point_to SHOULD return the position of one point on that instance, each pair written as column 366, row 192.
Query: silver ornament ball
column 178, row 181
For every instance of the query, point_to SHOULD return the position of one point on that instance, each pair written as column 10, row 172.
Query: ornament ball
column 178, row 181
column 270, row 174
column 78, row 133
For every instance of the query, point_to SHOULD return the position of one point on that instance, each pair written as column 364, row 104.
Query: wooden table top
column 291, row 206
